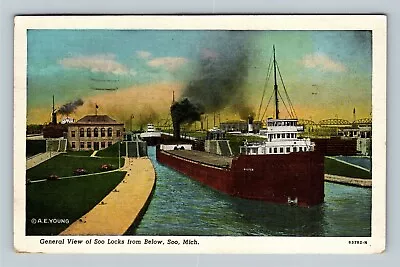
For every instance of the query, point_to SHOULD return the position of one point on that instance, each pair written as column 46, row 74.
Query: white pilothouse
column 281, row 135
column 151, row 131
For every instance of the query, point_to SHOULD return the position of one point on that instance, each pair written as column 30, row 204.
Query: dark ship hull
column 152, row 140
column 296, row 178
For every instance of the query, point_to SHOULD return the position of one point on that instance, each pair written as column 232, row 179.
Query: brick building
column 94, row 132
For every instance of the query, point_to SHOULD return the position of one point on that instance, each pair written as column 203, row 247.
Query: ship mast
column 275, row 89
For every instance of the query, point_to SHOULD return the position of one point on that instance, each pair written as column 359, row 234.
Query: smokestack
column 54, row 118
column 184, row 112
column 53, row 114
column 250, row 124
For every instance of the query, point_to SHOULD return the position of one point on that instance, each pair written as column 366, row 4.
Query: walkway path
column 74, row 176
column 122, row 206
column 348, row 180
column 94, row 153
column 39, row 158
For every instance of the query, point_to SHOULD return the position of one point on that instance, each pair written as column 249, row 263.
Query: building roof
column 97, row 119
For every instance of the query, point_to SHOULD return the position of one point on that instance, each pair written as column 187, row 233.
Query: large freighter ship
column 281, row 168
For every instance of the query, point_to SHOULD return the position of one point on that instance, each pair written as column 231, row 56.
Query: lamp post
column 132, row 122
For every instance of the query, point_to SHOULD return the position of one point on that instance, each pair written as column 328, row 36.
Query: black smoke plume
column 221, row 73
column 184, row 112
column 70, row 107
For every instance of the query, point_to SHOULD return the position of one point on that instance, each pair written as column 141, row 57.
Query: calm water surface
column 182, row 206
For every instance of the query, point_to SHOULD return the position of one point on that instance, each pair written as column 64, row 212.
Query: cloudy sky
column 326, row 73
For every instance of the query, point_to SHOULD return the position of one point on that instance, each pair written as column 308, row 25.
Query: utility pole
column 214, row 119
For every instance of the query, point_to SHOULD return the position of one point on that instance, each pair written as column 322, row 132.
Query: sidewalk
column 39, row 158
column 122, row 206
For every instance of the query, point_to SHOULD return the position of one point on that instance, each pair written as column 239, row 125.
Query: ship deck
column 203, row 157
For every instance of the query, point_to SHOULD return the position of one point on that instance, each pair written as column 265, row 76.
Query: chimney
column 250, row 124
column 53, row 114
column 54, row 118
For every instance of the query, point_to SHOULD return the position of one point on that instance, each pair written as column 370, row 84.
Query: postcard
column 246, row 134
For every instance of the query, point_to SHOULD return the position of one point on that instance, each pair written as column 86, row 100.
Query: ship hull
column 152, row 141
column 295, row 179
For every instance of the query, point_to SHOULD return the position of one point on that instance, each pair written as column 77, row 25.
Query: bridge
column 336, row 122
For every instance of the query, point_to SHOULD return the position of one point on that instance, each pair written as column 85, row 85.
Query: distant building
column 240, row 126
column 363, row 134
column 94, row 132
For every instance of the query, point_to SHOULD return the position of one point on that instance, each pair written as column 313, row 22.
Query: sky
column 326, row 73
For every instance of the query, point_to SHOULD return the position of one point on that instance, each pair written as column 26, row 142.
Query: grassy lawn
column 65, row 199
column 337, row 168
column 80, row 153
column 112, row 151
column 65, row 165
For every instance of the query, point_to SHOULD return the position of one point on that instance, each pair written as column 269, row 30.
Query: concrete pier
column 348, row 180
column 123, row 206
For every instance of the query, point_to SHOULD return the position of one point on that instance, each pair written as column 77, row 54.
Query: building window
column 294, row 149
column 103, row 132
column 103, row 144
column 281, row 150
column 88, row 132
column 73, row 144
column 89, row 144
column 109, row 144
column 82, row 145
column 81, row 132
column 300, row 149
column 288, row 149
column 270, row 150
column 279, row 135
column 109, row 132
column 275, row 150
column 287, row 135
column 72, row 133
column 96, row 132
column 118, row 133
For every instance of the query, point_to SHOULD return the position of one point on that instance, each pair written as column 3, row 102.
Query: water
column 182, row 206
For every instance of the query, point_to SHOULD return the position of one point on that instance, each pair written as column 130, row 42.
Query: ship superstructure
column 281, row 137
column 151, row 136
